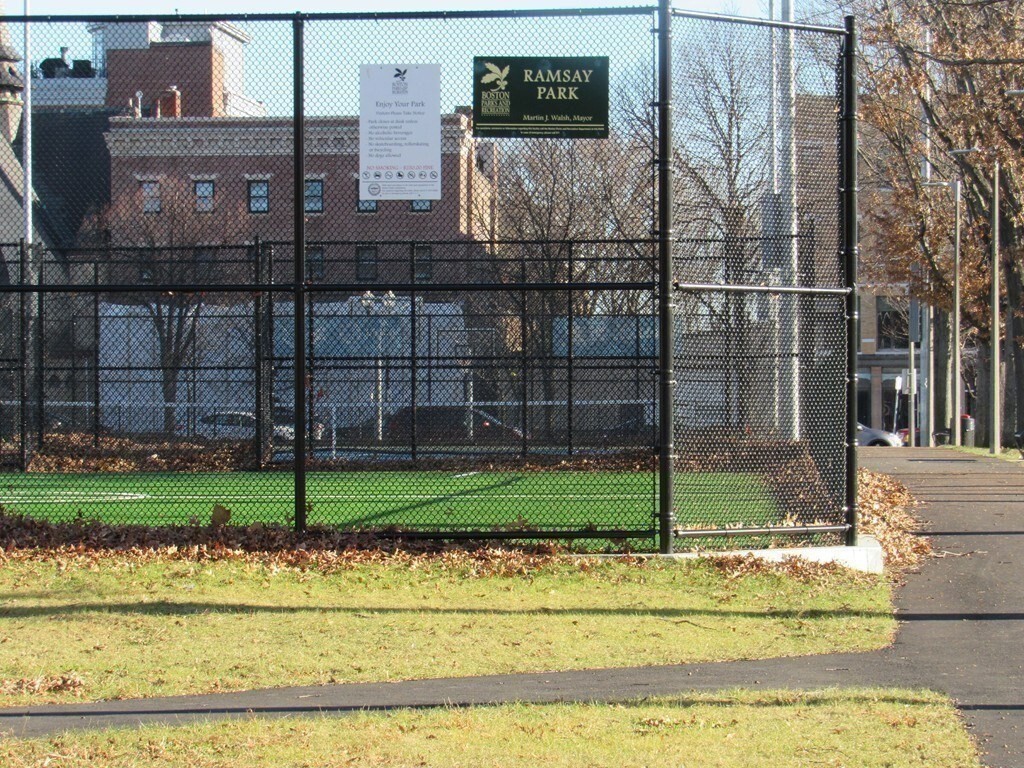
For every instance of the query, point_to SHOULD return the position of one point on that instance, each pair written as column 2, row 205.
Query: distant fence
column 640, row 340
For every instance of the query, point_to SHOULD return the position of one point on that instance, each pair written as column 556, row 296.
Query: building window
column 314, row 196
column 893, row 330
column 366, row 262
column 204, row 195
column 314, row 263
column 364, row 206
column 259, row 196
column 420, row 206
column 423, row 263
column 150, row 196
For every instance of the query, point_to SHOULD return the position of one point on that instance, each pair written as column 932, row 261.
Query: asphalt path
column 961, row 632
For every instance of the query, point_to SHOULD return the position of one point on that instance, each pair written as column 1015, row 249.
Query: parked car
column 237, row 425
column 452, row 424
column 868, row 436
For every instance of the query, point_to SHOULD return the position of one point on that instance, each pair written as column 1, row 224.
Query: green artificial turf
column 423, row 499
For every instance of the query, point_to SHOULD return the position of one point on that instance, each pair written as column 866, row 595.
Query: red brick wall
column 195, row 68
column 459, row 216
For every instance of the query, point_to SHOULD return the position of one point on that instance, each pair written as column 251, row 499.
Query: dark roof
column 71, row 167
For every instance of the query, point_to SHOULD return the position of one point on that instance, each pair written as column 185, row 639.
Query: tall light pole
column 26, row 141
column 379, row 305
column 957, row 388
column 995, row 438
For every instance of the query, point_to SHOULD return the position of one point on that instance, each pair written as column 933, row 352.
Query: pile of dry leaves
column 885, row 513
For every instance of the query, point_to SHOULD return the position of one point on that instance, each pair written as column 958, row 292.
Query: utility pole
column 995, row 440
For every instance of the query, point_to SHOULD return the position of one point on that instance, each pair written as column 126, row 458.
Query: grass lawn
column 122, row 626
column 863, row 728
column 1007, row 454
column 423, row 499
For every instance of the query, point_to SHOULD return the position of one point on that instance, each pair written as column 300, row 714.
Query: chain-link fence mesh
column 760, row 326
column 481, row 363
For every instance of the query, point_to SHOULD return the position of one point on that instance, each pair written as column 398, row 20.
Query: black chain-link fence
column 761, row 326
column 479, row 362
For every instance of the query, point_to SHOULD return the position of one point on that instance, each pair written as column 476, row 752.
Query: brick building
column 239, row 172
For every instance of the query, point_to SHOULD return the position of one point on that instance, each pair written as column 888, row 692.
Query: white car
column 869, row 436
column 237, row 425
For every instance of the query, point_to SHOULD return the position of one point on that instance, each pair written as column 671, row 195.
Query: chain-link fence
column 759, row 273
column 487, row 361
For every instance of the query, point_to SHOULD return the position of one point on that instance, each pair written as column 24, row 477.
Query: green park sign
column 537, row 97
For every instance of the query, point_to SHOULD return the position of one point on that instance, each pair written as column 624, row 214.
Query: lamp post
column 373, row 306
column 995, row 439
column 957, row 388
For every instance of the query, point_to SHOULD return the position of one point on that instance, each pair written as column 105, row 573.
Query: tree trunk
column 169, row 386
column 982, row 383
column 1015, row 330
column 941, row 385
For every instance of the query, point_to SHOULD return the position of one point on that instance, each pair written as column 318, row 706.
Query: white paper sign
column 400, row 132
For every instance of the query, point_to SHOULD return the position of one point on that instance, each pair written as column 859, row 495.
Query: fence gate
column 480, row 346
column 761, row 282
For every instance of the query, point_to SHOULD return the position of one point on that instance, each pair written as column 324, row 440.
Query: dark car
column 450, row 424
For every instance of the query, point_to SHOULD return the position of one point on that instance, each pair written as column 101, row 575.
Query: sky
column 40, row 7
column 628, row 42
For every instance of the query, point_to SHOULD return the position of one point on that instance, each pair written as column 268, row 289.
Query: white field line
column 68, row 497
column 72, row 496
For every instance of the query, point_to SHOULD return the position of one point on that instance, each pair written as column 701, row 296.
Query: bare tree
column 723, row 194
column 181, row 241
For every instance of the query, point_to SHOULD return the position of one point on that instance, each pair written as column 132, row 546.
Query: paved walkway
column 962, row 633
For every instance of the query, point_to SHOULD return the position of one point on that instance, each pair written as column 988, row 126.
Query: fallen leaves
column 66, row 683
column 885, row 505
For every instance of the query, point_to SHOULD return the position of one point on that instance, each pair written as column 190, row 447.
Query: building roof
column 71, row 167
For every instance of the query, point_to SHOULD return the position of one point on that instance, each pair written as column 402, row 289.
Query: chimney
column 170, row 102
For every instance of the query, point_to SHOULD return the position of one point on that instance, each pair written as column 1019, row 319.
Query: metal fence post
column 569, row 354
column 412, row 345
column 666, row 368
column 257, row 322
column 39, row 339
column 23, row 349
column 96, row 337
column 299, row 262
column 849, row 224
column 524, row 359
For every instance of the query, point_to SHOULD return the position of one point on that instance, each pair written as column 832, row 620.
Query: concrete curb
column 865, row 555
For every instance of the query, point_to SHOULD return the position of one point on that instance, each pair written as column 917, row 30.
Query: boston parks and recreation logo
column 399, row 86
column 495, row 102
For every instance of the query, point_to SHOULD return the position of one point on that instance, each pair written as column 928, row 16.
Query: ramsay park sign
column 554, row 97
